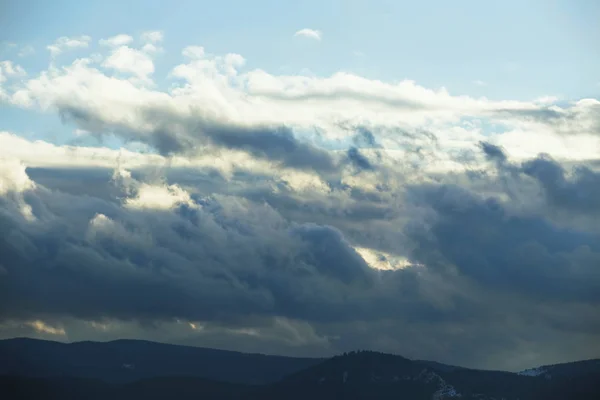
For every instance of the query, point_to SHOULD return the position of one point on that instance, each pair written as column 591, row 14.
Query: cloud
column 358, row 159
column 221, row 218
column 9, row 69
column 174, row 135
column 218, row 88
column 159, row 198
column 503, row 250
column 152, row 36
column 579, row 192
column 575, row 189
column 493, row 152
column 300, row 213
column 309, row 33
column 42, row 327
column 65, row 43
column 116, row 41
column 151, row 40
column 26, row 51
column 194, row 52
column 128, row 60
column 150, row 48
column 261, row 259
column 14, row 179
column 8, row 72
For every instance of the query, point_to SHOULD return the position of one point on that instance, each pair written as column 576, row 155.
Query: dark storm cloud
column 509, row 252
column 357, row 159
column 275, row 144
column 332, row 255
column 365, row 138
column 94, row 182
column 579, row 193
column 493, row 152
column 222, row 260
column 576, row 189
column 253, row 251
column 345, row 206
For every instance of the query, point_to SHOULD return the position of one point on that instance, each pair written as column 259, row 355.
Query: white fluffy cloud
column 193, row 52
column 9, row 71
column 218, row 88
column 309, row 33
column 152, row 36
column 152, row 40
column 65, row 43
column 159, row 197
column 116, row 41
column 13, row 177
column 131, row 61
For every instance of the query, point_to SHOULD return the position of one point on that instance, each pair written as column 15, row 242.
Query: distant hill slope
column 376, row 375
column 132, row 360
column 144, row 370
column 571, row 369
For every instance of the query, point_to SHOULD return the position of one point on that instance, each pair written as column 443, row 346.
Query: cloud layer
column 297, row 214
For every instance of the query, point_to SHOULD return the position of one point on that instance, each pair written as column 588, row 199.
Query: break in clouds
column 296, row 214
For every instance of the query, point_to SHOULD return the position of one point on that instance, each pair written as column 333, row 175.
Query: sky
column 304, row 178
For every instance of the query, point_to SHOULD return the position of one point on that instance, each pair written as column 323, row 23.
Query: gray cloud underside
column 172, row 134
column 190, row 263
column 347, row 94
column 569, row 120
column 488, row 275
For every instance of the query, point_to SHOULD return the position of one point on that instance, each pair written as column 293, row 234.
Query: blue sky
column 512, row 49
column 310, row 176
column 549, row 44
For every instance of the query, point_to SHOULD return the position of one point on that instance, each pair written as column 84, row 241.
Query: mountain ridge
column 24, row 338
column 127, row 360
column 426, row 362
column 132, row 369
